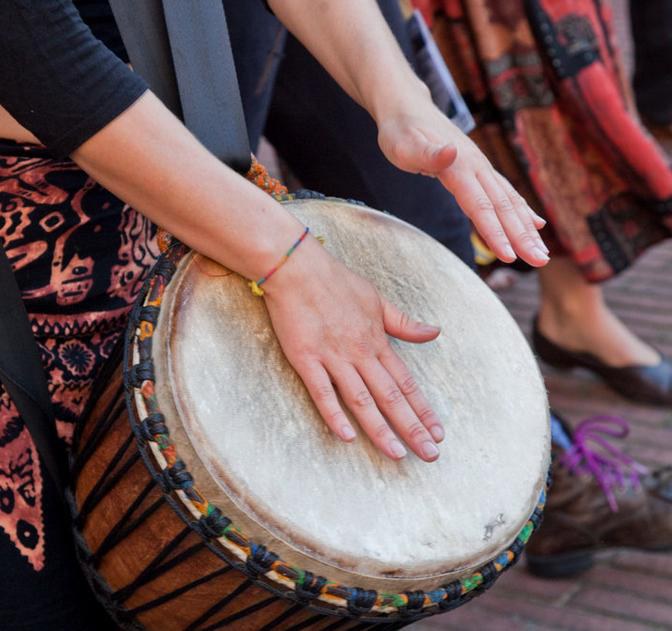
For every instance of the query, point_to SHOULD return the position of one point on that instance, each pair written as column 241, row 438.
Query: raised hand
column 429, row 143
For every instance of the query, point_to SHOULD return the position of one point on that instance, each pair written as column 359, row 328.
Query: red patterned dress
column 543, row 80
column 80, row 256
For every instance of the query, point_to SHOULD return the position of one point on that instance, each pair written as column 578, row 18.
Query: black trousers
column 652, row 33
column 57, row 598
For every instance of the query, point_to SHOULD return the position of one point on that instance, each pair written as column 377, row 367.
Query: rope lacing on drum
column 309, row 586
column 149, row 314
column 153, row 425
column 165, row 267
column 612, row 468
column 142, row 371
column 452, row 597
column 177, row 476
column 260, row 560
column 415, row 604
column 214, row 524
column 361, row 601
column 257, row 559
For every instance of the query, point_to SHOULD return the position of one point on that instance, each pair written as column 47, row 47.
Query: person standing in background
column 543, row 80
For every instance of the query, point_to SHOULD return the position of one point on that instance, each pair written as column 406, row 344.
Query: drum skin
column 148, row 491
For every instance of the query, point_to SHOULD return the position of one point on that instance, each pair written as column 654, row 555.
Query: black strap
column 182, row 50
column 23, row 377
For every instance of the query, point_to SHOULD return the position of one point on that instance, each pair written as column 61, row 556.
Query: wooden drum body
column 208, row 493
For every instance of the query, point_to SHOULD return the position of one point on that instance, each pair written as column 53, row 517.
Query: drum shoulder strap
column 183, row 51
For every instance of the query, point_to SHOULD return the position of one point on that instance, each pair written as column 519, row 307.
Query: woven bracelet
column 255, row 286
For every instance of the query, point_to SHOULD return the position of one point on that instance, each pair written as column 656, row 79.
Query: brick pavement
column 625, row 591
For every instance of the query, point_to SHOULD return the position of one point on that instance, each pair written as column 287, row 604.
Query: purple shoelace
column 610, row 467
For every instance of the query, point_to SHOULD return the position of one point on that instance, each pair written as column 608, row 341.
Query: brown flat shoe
column 600, row 499
column 646, row 384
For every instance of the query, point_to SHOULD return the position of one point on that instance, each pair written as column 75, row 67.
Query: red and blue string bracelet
column 255, row 286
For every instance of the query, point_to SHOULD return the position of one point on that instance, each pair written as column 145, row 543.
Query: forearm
column 351, row 39
column 148, row 159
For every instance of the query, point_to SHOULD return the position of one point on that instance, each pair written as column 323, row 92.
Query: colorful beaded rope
column 255, row 286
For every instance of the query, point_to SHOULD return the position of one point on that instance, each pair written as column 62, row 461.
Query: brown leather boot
column 596, row 504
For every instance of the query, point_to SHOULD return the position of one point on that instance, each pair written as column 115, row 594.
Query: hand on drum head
column 429, row 143
column 333, row 327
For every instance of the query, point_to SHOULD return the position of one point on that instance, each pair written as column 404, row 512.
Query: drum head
column 259, row 450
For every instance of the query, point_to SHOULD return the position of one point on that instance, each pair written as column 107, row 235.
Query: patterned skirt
column 80, row 256
column 544, row 81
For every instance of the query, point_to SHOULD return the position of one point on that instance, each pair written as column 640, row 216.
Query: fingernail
column 508, row 250
column 543, row 247
column 429, row 328
column 437, row 433
column 397, row 449
column 347, row 433
column 429, row 450
column 540, row 253
column 539, row 217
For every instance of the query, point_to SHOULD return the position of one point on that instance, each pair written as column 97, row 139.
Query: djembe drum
column 209, row 493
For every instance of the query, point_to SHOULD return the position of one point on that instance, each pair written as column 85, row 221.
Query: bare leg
column 574, row 315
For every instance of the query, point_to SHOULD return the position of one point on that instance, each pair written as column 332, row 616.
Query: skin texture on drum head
column 259, row 450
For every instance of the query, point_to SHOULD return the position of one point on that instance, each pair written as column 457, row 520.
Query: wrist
column 308, row 262
column 260, row 248
column 401, row 98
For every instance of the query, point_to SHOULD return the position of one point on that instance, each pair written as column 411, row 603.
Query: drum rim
column 151, row 431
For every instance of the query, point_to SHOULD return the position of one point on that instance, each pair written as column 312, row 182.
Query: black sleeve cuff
column 79, row 133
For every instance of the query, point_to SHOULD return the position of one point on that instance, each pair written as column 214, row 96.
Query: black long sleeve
column 56, row 78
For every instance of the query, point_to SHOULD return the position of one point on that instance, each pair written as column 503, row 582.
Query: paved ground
column 626, row 591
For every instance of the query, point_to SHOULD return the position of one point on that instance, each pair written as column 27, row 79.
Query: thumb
column 410, row 150
column 398, row 324
column 437, row 158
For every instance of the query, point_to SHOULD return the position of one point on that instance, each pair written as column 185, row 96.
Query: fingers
column 477, row 205
column 539, row 222
column 502, row 218
column 529, row 219
column 379, row 391
column 395, row 406
column 519, row 201
column 516, row 221
column 322, row 393
column 357, row 397
column 398, row 324
column 411, row 390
